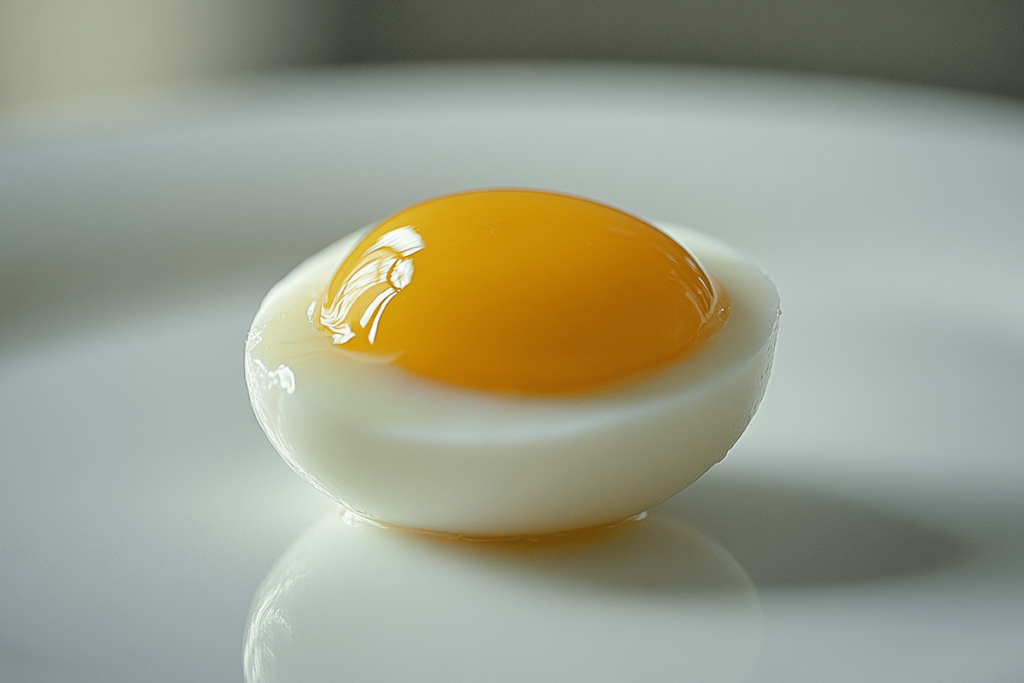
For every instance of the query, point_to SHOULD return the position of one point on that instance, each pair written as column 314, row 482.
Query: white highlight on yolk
column 384, row 266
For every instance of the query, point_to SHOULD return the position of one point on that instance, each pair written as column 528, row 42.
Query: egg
column 507, row 362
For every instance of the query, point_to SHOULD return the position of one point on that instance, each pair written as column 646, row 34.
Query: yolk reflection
column 521, row 291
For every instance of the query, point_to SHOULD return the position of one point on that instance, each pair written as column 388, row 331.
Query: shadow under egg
column 646, row 600
column 789, row 536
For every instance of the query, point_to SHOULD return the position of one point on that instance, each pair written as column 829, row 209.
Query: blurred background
column 59, row 53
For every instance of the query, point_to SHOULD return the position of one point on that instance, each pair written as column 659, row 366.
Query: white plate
column 875, row 501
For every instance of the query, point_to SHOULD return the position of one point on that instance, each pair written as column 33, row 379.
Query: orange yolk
column 521, row 291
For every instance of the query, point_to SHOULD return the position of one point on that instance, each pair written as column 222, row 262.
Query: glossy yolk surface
column 520, row 291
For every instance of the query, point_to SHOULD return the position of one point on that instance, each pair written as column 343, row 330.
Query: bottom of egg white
column 648, row 600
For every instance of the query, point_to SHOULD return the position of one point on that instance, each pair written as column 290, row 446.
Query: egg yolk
column 520, row 291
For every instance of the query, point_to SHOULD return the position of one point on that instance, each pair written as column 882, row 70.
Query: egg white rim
column 396, row 405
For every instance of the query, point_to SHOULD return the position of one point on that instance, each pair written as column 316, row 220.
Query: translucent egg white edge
column 434, row 457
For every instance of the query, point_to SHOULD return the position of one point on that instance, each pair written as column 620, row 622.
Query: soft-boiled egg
column 505, row 362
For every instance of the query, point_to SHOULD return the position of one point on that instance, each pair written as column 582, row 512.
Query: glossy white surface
column 353, row 601
column 426, row 456
column 875, row 501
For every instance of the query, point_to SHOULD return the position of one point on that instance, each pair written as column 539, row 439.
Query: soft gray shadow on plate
column 25, row 666
column 793, row 536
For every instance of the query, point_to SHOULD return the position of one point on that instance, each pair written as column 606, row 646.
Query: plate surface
column 874, row 502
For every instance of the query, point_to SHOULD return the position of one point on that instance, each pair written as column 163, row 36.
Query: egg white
column 416, row 453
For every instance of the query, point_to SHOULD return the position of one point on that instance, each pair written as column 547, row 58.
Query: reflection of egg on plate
column 511, row 361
